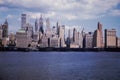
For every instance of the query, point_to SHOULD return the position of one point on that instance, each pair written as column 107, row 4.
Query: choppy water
column 59, row 66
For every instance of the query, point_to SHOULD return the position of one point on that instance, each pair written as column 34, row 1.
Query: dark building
column 36, row 25
column 89, row 40
column 41, row 25
column 5, row 29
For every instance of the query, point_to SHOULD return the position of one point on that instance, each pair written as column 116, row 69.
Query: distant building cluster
column 44, row 36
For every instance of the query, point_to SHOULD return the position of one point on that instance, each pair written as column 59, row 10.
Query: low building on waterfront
column 55, row 41
column 110, row 38
column 89, row 40
column 23, row 39
column 118, row 42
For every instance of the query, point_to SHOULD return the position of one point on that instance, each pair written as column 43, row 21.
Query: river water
column 59, row 65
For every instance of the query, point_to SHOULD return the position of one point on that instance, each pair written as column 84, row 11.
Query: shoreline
column 48, row 49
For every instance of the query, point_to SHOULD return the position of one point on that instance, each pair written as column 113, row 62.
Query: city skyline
column 36, row 36
column 70, row 13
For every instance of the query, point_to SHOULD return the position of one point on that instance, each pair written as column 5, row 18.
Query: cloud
column 65, row 9
column 2, row 9
column 10, row 16
column 1, row 1
column 115, row 12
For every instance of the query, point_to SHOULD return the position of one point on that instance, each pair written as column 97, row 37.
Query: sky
column 71, row 13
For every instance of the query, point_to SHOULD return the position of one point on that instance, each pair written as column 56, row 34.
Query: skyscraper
column 68, row 39
column 62, row 35
column 5, row 29
column 36, row 25
column 98, row 37
column 47, row 25
column 57, row 28
column 110, row 38
column 23, row 21
column 41, row 25
column 48, row 29
column 101, row 34
column 75, row 36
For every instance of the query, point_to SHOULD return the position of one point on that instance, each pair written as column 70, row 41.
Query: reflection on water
column 59, row 66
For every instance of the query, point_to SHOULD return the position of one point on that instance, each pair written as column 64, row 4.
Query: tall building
column 48, row 29
column 5, row 29
column 23, row 21
column 89, row 40
column 75, row 36
column 80, row 40
column 98, row 37
column 62, row 36
column 101, row 34
column 110, row 38
column 68, row 39
column 41, row 25
column 57, row 28
column 36, row 25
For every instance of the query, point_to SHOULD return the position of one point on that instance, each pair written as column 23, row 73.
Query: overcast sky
column 71, row 13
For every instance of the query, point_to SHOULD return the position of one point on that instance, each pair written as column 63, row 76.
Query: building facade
column 62, row 36
column 110, row 38
column 118, row 42
column 54, row 42
column 23, row 39
column 1, row 32
column 89, row 40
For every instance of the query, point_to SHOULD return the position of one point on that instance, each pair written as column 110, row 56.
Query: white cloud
column 1, row 1
column 3, row 9
column 115, row 12
column 68, row 9
column 10, row 16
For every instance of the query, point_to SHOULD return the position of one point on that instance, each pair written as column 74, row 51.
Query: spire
column 36, row 25
column 99, row 26
column 6, row 22
column 82, row 32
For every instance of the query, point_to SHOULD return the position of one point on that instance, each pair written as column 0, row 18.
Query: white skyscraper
column 48, row 29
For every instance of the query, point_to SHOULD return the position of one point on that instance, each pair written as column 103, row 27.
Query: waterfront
column 59, row 65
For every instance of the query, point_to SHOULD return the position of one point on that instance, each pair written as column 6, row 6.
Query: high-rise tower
column 98, row 37
column 41, row 25
column 23, row 21
column 47, row 25
column 36, row 25
column 5, row 29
